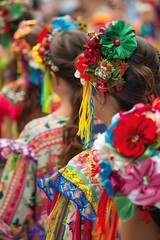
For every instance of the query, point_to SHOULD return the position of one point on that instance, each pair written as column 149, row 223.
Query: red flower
column 117, row 64
column 141, row 107
column 92, row 53
column 81, row 65
column 124, row 65
column 156, row 104
column 121, row 72
column 133, row 133
column 120, row 88
column 86, row 77
column 104, row 64
column 109, row 68
column 111, row 90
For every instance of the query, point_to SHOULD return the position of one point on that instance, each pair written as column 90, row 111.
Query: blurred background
column 144, row 15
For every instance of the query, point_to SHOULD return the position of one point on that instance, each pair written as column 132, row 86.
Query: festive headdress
column 42, row 54
column 20, row 47
column 11, row 11
column 102, row 67
column 130, row 160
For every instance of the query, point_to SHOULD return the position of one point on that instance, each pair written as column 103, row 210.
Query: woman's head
column 64, row 49
column 25, row 38
column 120, row 70
column 56, row 51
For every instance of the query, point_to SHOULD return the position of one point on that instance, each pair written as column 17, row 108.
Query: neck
column 65, row 108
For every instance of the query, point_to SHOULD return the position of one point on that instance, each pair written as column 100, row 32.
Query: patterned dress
column 74, row 192
column 23, row 207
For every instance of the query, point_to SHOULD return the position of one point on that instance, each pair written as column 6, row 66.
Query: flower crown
column 59, row 24
column 20, row 47
column 130, row 163
column 102, row 66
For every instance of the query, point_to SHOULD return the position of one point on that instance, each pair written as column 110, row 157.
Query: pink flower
column 142, row 182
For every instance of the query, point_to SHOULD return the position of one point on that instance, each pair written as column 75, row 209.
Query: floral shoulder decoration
column 130, row 160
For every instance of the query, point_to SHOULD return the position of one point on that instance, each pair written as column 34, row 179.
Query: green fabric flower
column 118, row 41
column 125, row 208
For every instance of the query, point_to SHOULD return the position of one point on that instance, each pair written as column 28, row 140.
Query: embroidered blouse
column 23, row 207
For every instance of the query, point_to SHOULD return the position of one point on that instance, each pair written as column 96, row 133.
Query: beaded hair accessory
column 102, row 66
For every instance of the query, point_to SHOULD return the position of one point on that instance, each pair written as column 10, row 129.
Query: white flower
column 100, row 141
column 77, row 74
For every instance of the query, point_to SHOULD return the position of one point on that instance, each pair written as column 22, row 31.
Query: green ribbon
column 5, row 40
column 125, row 208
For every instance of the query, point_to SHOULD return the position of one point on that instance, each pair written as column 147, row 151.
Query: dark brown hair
column 142, row 77
column 31, row 104
column 65, row 47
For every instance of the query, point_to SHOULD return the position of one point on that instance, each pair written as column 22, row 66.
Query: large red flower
column 92, row 53
column 133, row 133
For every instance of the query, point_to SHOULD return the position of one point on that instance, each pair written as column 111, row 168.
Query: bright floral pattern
column 130, row 166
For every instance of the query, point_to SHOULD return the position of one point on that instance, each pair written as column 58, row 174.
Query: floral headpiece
column 24, row 28
column 20, row 47
column 130, row 160
column 102, row 66
column 11, row 11
column 42, row 54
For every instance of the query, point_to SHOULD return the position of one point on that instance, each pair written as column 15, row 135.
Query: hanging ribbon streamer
column 86, row 115
column 47, row 91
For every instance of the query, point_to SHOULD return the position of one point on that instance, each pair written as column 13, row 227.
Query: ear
column 55, row 79
column 101, row 97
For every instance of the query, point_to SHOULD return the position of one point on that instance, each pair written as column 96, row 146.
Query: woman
column 117, row 70
column 20, row 98
column 47, row 143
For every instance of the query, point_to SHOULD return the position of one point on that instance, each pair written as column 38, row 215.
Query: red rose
column 133, row 133
column 92, row 53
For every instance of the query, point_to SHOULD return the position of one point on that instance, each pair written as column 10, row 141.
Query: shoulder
column 50, row 124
